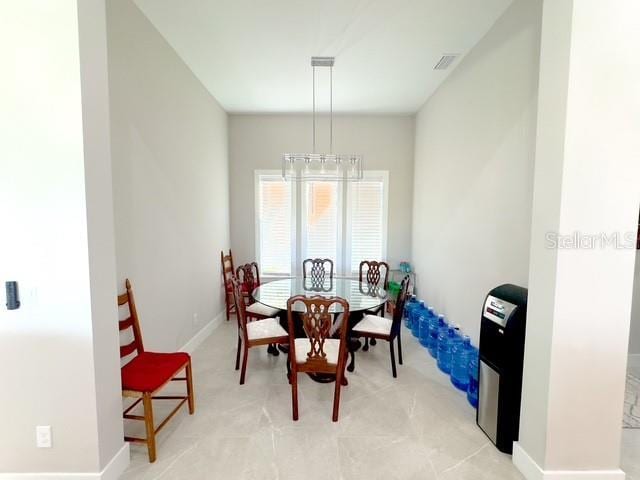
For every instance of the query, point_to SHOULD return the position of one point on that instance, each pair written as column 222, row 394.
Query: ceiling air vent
column 445, row 61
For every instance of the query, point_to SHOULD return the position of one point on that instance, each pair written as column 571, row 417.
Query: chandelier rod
column 314, row 107
column 331, row 109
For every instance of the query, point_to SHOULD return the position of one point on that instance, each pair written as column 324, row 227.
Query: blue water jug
column 408, row 307
column 472, row 389
column 445, row 337
column 415, row 319
column 460, row 355
column 435, row 323
column 425, row 318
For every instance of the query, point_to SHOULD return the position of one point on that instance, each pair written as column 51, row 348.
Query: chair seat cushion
column 262, row 310
column 331, row 347
column 267, row 328
column 149, row 370
column 374, row 324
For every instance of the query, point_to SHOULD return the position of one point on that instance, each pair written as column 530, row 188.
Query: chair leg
column 148, row 423
column 238, row 353
column 399, row 349
column 336, row 392
column 227, row 308
column 191, row 401
column 294, row 394
column 373, row 342
column 366, row 344
column 393, row 359
column 245, row 354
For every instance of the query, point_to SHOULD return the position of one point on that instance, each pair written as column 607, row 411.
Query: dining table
column 360, row 296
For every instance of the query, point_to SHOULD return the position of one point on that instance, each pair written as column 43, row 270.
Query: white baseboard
column 202, row 335
column 116, row 466
column 532, row 471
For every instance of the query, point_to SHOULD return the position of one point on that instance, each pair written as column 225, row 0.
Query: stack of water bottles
column 445, row 342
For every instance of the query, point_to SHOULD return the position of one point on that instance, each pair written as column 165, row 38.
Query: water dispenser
column 502, row 332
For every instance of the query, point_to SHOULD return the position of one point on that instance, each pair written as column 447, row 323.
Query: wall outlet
column 195, row 318
column 43, row 436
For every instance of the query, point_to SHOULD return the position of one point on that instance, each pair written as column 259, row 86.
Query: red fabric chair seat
column 149, row 370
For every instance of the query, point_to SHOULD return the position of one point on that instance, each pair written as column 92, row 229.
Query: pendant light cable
column 314, row 108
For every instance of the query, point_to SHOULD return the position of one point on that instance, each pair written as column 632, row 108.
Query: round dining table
column 360, row 296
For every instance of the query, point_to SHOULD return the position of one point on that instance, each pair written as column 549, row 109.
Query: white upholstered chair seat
column 267, row 328
column 374, row 324
column 258, row 308
column 331, row 347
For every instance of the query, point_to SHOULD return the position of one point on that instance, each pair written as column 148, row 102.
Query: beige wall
column 170, row 174
column 257, row 142
column 474, row 171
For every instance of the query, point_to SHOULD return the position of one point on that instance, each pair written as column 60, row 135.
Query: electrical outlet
column 43, row 436
column 195, row 318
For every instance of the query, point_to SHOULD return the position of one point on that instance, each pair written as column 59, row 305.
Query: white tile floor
column 414, row 427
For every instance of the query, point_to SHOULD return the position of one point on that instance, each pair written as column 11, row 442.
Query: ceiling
column 254, row 55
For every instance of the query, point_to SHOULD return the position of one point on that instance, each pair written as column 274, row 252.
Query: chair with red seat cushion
column 147, row 373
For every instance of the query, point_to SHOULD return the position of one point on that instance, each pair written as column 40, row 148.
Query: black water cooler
column 502, row 334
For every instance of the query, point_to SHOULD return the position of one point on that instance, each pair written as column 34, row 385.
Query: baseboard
column 114, row 469
column 202, row 335
column 117, row 465
column 532, row 471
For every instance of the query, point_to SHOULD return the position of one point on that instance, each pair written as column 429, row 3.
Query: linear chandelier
column 322, row 166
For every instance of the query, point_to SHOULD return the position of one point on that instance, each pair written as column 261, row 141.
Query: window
column 321, row 220
column 275, row 217
column 367, row 220
column 346, row 222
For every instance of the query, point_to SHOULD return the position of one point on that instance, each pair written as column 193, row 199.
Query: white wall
column 59, row 351
column 257, row 142
column 586, row 181
column 170, row 173
column 474, row 171
column 634, row 340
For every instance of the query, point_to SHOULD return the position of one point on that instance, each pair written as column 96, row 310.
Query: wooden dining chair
column 373, row 326
column 226, row 262
column 374, row 275
column 147, row 373
column 254, row 333
column 320, row 351
column 248, row 276
column 317, row 269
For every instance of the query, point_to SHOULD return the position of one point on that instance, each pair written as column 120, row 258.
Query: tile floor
column 414, row 427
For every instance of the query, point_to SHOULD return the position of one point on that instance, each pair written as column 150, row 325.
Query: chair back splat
column 374, row 273
column 318, row 269
column 241, row 310
column 399, row 307
column 131, row 321
column 248, row 275
column 226, row 264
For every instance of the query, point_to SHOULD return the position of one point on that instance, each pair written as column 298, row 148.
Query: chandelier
column 322, row 166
